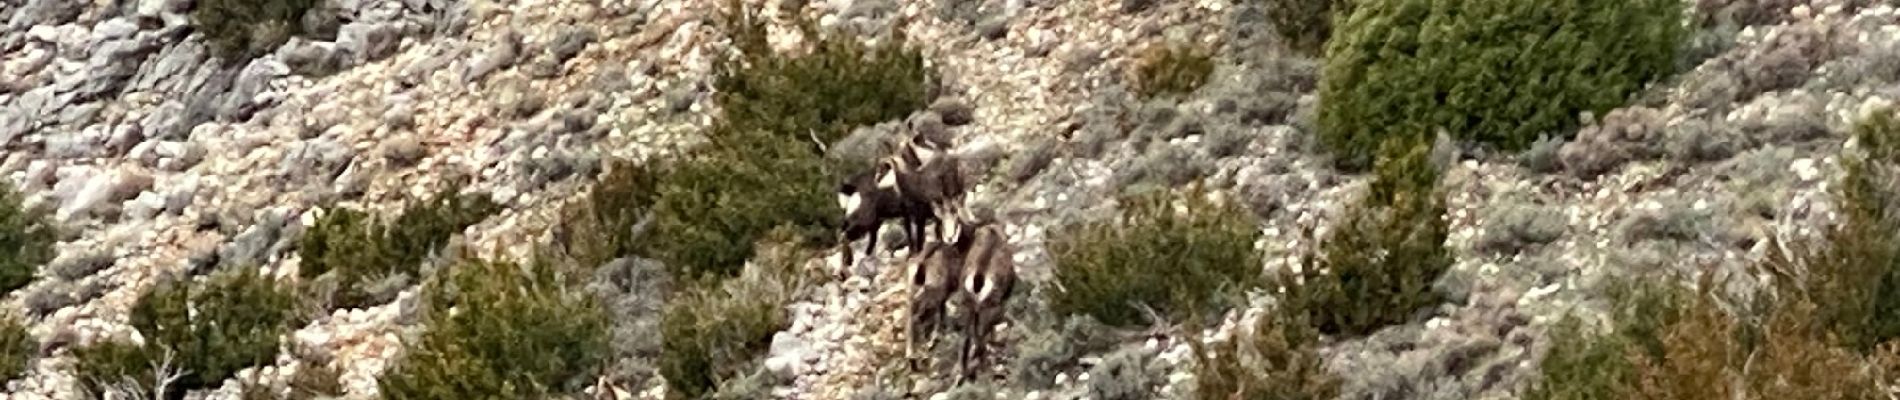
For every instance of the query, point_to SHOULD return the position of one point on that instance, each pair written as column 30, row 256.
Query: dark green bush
column 714, row 331
column 26, row 240
column 499, row 330
column 232, row 321
column 1172, row 70
column 1153, row 256
column 819, row 96
column 1495, row 71
column 362, row 252
column 763, row 168
column 243, row 29
column 117, row 366
column 1306, row 24
column 1279, row 361
column 600, row 227
column 17, row 347
column 714, row 205
column 1378, row 266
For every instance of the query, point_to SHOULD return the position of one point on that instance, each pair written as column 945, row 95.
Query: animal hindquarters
column 989, row 278
column 932, row 280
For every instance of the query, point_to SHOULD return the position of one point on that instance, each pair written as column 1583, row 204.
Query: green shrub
column 243, row 29
column 232, row 321
column 117, row 366
column 26, row 240
column 1306, row 24
column 713, row 331
column 1853, row 272
column 362, row 252
column 1279, row 359
column 714, row 205
column 1495, row 71
column 600, row 227
column 819, row 96
column 17, row 347
column 498, row 330
column 1171, row 70
column 763, row 168
column 1153, row 256
column 1378, row 266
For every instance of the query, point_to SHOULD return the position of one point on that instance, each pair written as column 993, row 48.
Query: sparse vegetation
column 1412, row 67
column 1172, row 70
column 1670, row 343
column 26, row 240
column 204, row 333
column 1155, row 255
column 17, row 347
column 365, row 255
column 502, row 330
column 242, row 29
column 1827, row 332
column 1852, row 274
column 1378, row 267
column 711, row 332
column 1277, row 359
column 633, row 291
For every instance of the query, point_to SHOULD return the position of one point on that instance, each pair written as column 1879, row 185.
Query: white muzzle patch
column 887, row 179
column 925, row 154
column 850, row 202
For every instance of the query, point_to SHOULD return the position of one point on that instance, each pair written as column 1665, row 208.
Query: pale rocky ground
column 159, row 161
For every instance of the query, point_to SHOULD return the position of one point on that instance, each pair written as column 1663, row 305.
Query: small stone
column 403, row 151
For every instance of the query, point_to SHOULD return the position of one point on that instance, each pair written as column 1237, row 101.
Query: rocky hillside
column 154, row 155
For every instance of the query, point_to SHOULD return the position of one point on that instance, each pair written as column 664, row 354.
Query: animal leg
column 870, row 246
column 964, row 373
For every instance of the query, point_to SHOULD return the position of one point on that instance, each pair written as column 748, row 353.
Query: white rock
column 1805, row 170
column 788, row 355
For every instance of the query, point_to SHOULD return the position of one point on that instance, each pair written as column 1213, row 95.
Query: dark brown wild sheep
column 926, row 178
column 866, row 208
column 932, row 278
column 989, row 278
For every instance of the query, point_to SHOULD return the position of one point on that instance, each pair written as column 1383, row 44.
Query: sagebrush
column 1377, row 268
column 1155, row 256
column 501, row 330
column 1500, row 72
